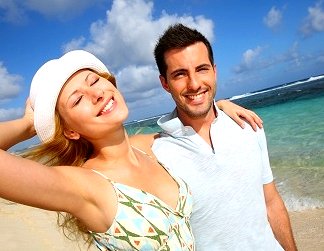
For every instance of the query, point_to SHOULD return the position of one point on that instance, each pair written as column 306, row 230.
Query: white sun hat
column 48, row 82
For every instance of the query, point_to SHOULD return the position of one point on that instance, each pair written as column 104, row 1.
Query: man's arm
column 278, row 217
column 15, row 131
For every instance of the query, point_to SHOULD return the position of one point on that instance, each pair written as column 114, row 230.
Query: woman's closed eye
column 94, row 82
column 92, row 78
column 77, row 101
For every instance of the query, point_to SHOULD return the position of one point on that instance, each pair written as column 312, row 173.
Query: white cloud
column 250, row 55
column 273, row 18
column 125, row 41
column 12, row 12
column 293, row 54
column 75, row 43
column 62, row 9
column 314, row 22
column 258, row 59
column 9, row 84
column 249, row 60
column 143, row 77
column 9, row 114
column 129, row 33
column 16, row 11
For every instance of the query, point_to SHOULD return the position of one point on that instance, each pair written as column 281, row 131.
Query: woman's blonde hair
column 63, row 151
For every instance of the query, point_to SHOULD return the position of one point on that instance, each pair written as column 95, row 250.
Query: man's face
column 191, row 80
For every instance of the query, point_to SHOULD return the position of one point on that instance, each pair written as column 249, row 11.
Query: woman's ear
column 70, row 134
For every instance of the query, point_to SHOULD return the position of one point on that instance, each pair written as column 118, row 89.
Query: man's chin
column 197, row 114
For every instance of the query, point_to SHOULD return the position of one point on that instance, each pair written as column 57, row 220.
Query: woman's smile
column 110, row 105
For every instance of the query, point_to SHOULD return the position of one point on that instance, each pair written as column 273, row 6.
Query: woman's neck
column 112, row 150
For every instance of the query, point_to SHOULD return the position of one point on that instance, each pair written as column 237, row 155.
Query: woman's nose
column 96, row 94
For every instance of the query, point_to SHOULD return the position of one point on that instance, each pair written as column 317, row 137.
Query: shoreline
column 29, row 229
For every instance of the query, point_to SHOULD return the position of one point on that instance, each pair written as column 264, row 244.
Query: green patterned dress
column 144, row 222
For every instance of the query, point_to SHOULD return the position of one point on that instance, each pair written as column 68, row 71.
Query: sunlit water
column 295, row 135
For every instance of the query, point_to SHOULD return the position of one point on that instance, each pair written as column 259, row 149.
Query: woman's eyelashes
column 79, row 98
column 77, row 101
column 94, row 81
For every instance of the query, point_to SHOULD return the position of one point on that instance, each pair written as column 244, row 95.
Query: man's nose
column 193, row 82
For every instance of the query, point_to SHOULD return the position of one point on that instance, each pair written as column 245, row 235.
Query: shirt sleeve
column 267, row 175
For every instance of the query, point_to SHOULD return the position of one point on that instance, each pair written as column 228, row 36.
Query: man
column 236, row 204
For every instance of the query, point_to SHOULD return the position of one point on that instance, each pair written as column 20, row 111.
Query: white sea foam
column 249, row 94
column 315, row 78
column 294, row 203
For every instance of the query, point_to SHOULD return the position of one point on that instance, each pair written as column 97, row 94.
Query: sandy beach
column 308, row 228
column 29, row 229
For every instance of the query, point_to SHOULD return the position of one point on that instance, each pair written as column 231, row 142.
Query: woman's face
column 91, row 106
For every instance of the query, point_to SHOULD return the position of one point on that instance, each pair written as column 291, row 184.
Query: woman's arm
column 62, row 188
column 15, row 131
column 28, row 182
column 239, row 114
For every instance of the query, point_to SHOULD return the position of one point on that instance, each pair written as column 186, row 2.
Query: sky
column 257, row 44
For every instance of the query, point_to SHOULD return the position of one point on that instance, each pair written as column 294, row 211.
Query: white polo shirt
column 229, row 210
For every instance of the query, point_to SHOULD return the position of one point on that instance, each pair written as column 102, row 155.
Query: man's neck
column 201, row 125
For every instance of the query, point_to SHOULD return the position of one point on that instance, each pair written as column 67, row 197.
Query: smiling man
column 236, row 204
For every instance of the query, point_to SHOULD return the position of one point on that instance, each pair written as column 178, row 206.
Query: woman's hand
column 240, row 115
column 14, row 131
column 29, row 118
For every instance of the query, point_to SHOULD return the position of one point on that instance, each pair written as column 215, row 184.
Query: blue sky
column 256, row 45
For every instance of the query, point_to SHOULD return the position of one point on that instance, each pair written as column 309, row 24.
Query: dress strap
column 142, row 152
column 102, row 175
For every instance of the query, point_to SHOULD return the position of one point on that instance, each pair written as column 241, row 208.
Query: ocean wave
column 280, row 87
column 294, row 203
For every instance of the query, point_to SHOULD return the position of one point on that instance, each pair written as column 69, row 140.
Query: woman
column 78, row 116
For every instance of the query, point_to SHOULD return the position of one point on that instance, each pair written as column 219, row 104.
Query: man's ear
column 164, row 83
column 70, row 134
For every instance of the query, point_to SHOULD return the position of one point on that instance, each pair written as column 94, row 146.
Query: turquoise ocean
column 293, row 119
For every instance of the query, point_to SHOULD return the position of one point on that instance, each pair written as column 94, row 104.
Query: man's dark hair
column 178, row 36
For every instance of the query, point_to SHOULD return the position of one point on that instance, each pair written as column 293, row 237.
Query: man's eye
column 179, row 74
column 203, row 69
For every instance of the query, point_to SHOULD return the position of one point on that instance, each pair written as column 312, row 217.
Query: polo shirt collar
column 172, row 125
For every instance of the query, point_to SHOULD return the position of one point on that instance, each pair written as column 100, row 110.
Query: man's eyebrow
column 204, row 65
column 184, row 70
